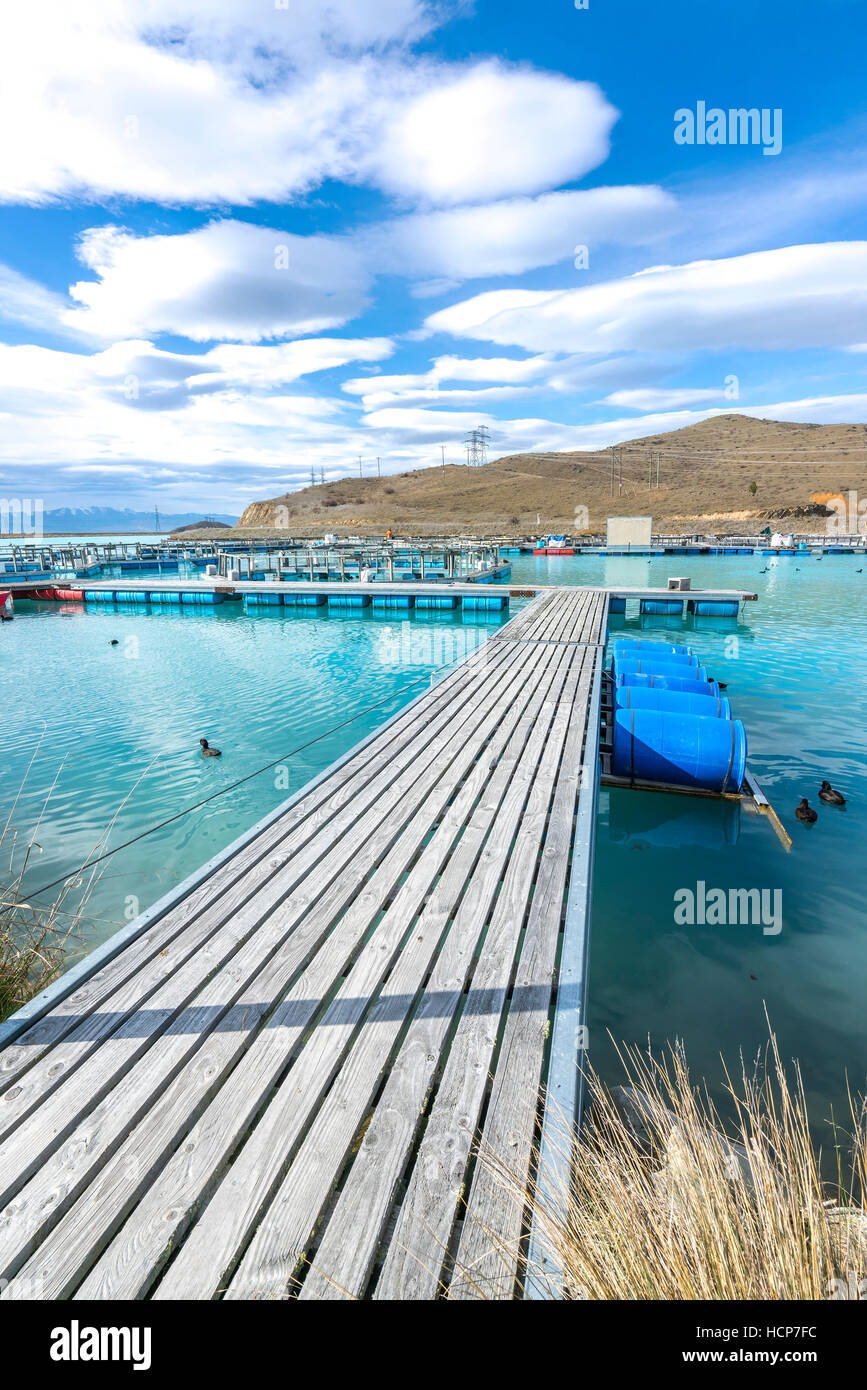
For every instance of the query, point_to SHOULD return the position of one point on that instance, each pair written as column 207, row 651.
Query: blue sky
column 241, row 240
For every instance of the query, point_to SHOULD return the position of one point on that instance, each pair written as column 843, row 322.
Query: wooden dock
column 271, row 1085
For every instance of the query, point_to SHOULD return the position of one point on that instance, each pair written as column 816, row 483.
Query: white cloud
column 226, row 280
column 517, row 234
column 648, row 399
column 23, row 300
column 143, row 377
column 491, row 131
column 218, row 101
column 799, row 296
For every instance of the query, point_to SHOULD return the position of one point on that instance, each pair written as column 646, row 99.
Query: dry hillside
column 706, row 473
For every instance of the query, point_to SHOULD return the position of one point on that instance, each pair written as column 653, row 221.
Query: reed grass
column 665, row 1200
column 36, row 936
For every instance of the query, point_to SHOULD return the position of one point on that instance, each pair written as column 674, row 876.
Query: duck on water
column 831, row 795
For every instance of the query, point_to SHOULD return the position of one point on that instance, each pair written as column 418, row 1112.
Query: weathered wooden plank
column 137, row 1252
column 216, row 1240
column 285, row 1228
column 417, row 1251
column 75, row 1158
column 489, row 1252
column 341, row 1263
column 159, row 945
column 290, row 993
column 78, row 1074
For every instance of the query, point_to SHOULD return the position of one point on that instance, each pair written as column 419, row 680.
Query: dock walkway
column 273, row 1089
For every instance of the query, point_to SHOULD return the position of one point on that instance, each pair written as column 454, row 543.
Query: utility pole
column 612, row 472
column 619, row 472
column 157, row 526
column 360, row 472
column 443, row 448
column 312, row 476
column 322, row 473
column 649, row 471
column 378, row 469
column 657, row 468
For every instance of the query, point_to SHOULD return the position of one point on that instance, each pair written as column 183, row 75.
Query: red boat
column 7, row 609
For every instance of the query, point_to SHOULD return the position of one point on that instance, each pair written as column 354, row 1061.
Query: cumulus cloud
column 226, row 280
column 491, row 131
column 138, row 375
column 223, row 102
column 237, row 280
column 517, row 234
column 798, row 296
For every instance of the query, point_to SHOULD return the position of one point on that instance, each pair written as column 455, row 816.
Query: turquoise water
column 124, row 722
column 127, row 719
column 797, row 676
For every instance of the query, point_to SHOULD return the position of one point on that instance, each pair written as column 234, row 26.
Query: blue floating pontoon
column 684, row 750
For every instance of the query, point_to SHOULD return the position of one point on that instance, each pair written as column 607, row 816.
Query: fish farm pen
column 423, row 557
column 269, row 1084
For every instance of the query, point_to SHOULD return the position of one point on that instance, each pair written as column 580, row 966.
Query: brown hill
column 722, row 473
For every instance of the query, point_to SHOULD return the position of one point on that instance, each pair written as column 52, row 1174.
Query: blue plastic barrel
column 661, row 605
column 491, row 604
column 685, row 750
column 640, row 666
column 436, row 600
column 675, row 701
column 722, row 608
column 99, row 595
column 646, row 681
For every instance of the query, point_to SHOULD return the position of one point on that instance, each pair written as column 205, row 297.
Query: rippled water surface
column 125, row 722
column 118, row 726
column 797, row 677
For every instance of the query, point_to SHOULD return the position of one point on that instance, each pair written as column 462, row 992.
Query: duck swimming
column 831, row 795
column 805, row 812
column 208, row 751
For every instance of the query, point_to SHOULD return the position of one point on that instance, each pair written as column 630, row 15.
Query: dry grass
column 666, row 1204
column 706, row 475
column 36, row 937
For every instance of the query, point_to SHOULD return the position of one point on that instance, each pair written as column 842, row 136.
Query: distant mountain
column 84, row 521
